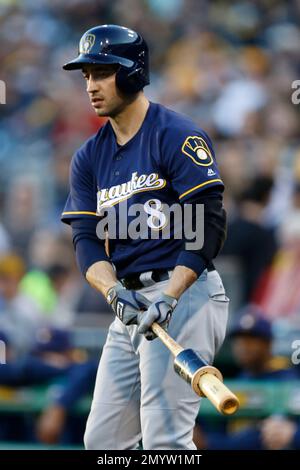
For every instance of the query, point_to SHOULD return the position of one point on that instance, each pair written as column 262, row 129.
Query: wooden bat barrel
column 206, row 380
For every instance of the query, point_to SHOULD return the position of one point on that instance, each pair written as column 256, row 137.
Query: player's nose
column 91, row 85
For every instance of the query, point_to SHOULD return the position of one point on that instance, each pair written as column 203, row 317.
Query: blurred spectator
column 53, row 345
column 244, row 95
column 18, row 313
column 278, row 433
column 249, row 240
column 251, row 337
column 22, row 211
column 278, row 292
column 25, row 370
column 53, row 282
column 56, row 423
column 31, row 369
column 53, row 361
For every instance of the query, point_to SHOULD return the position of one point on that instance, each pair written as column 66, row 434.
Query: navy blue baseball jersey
column 167, row 161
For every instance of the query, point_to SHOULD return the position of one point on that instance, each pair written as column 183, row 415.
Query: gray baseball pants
column 137, row 393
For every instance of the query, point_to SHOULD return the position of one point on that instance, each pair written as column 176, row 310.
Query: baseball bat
column 205, row 380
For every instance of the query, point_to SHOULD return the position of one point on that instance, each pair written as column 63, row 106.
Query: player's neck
column 127, row 123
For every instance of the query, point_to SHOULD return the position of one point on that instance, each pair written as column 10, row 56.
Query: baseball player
column 151, row 156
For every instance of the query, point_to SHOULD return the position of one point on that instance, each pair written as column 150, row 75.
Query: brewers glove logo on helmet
column 87, row 43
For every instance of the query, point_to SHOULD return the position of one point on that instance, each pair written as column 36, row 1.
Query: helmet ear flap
column 129, row 81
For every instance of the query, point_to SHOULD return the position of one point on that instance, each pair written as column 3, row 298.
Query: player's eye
column 98, row 74
column 103, row 73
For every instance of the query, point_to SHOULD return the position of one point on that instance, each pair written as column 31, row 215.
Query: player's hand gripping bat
column 205, row 380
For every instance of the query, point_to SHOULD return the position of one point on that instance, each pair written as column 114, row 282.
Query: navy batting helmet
column 112, row 44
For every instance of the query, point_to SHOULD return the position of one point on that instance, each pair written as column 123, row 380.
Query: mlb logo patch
column 211, row 172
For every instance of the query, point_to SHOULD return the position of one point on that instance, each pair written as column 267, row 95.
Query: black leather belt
column 149, row 278
column 145, row 279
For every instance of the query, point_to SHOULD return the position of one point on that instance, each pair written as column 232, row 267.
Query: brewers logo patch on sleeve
column 197, row 149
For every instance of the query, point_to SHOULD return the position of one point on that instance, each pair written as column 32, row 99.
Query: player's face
column 251, row 352
column 105, row 98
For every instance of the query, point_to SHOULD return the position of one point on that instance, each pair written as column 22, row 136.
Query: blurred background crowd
column 230, row 66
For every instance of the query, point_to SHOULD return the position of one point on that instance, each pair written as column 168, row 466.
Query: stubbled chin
column 100, row 113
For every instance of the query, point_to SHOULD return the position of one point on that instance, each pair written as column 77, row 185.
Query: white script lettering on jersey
column 108, row 197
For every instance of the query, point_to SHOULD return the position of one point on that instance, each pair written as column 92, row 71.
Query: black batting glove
column 126, row 304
